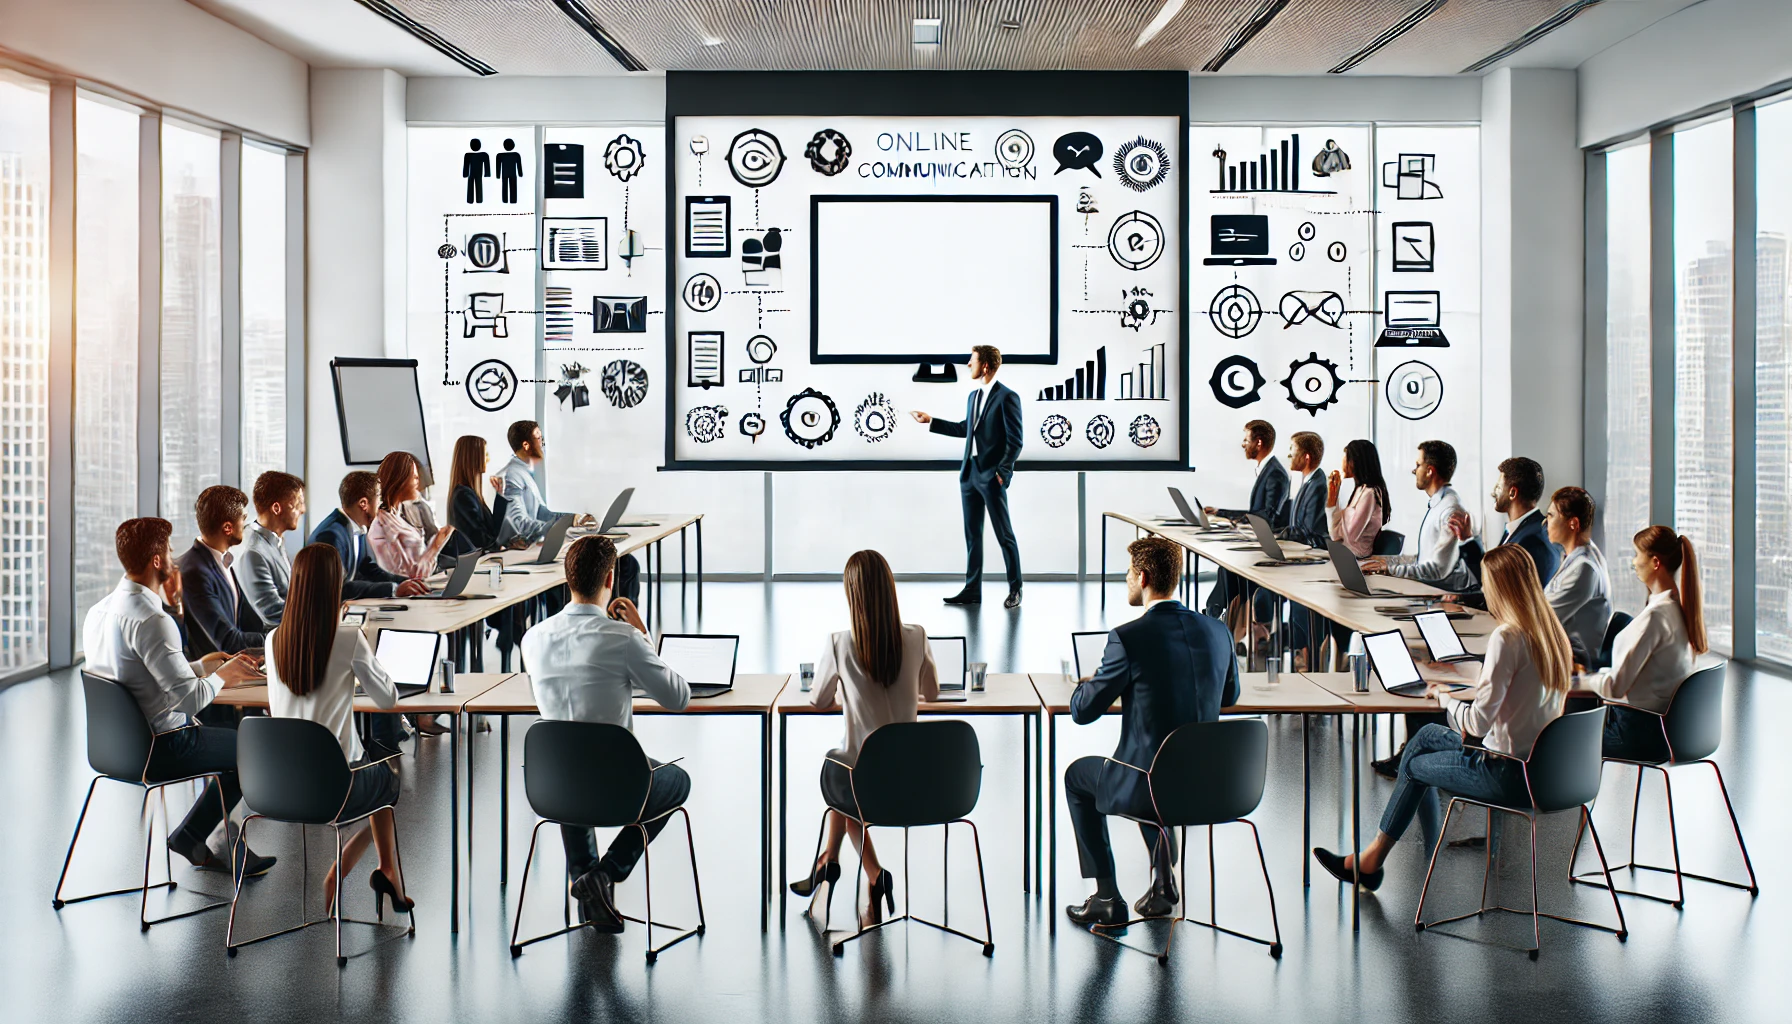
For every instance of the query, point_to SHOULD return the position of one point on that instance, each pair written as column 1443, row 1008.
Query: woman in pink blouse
column 1358, row 523
column 397, row 545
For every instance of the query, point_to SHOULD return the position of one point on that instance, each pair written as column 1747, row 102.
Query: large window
column 1703, row 310
column 24, row 363
column 264, row 312
column 1627, row 323
column 106, row 326
column 1773, row 384
column 192, row 323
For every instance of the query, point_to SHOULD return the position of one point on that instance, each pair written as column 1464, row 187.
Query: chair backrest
column 1695, row 718
column 1206, row 773
column 118, row 736
column 918, row 773
column 1613, row 627
column 1388, row 542
column 291, row 769
column 1564, row 762
column 589, row 774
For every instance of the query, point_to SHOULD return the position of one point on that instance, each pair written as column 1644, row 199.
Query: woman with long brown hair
column 314, row 662
column 881, row 669
column 397, row 545
column 1524, row 678
column 477, row 523
column 1653, row 655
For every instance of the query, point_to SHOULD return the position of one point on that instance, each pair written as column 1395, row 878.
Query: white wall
column 506, row 99
column 1320, row 99
column 1705, row 54
column 170, row 53
column 355, row 189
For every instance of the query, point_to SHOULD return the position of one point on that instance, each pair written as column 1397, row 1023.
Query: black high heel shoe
column 883, row 891
column 825, row 871
column 383, row 889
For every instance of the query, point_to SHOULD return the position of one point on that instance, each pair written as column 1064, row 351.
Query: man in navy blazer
column 218, row 617
column 345, row 529
column 1170, row 667
column 1269, row 499
column 1517, row 491
column 991, row 429
column 1307, row 524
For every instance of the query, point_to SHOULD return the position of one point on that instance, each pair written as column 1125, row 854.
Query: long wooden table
column 751, row 695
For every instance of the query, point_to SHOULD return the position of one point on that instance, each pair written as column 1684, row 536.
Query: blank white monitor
column 1392, row 661
column 1440, row 635
column 1088, row 649
column 379, row 410
column 408, row 655
column 948, row 660
column 701, row 659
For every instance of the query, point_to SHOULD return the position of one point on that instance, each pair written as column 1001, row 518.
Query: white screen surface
column 379, row 412
column 700, row 659
column 408, row 656
column 1392, row 661
column 899, row 280
column 948, row 660
column 1088, row 648
column 1439, row 635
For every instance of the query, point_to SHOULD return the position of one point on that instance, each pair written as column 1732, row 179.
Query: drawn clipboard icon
column 707, row 227
column 1415, row 247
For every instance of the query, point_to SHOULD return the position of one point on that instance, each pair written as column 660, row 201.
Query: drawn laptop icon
column 551, row 544
column 464, row 567
column 1239, row 240
column 1267, row 543
column 1441, row 638
column 607, row 528
column 1350, row 573
column 1414, row 320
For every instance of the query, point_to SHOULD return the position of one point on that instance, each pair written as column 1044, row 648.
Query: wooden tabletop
column 1377, row 700
column 1004, row 693
column 1294, row 694
column 467, row 685
column 752, row 694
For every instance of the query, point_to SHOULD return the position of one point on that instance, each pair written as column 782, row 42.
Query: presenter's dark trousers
column 994, row 497
column 1094, row 851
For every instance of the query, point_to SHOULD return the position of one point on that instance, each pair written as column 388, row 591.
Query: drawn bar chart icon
column 1088, row 384
column 1147, row 382
column 1275, row 171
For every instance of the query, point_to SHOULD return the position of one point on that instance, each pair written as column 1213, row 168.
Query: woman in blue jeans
column 1524, row 678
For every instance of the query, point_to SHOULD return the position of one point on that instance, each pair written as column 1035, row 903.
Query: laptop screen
column 948, row 660
column 1391, row 660
column 700, row 659
column 1266, row 537
column 1088, row 648
column 1439, row 635
column 617, row 507
column 1412, row 309
column 408, row 655
column 1345, row 564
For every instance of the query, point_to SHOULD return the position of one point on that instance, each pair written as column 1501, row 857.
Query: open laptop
column 552, row 541
column 1267, row 543
column 409, row 656
column 705, row 660
column 1441, row 638
column 607, row 527
column 949, row 661
column 1087, row 649
column 1195, row 515
column 1350, row 573
column 1393, row 664
column 462, row 574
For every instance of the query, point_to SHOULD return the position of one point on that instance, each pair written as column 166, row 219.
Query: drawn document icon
column 566, row 171
column 706, row 227
column 575, row 243
column 704, row 359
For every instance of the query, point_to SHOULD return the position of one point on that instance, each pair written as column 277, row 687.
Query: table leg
column 700, row 573
column 1101, row 582
column 454, row 816
column 659, row 581
column 1026, row 800
column 1356, row 818
column 765, row 812
column 1051, row 833
column 783, row 812
column 1039, row 800
column 647, row 583
column 504, row 800
column 1306, row 803
column 684, row 576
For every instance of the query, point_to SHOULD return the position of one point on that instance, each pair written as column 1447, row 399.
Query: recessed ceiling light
column 1170, row 9
column 927, row 32
column 1011, row 24
column 712, row 40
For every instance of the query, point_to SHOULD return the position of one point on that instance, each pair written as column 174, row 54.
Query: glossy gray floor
column 1719, row 959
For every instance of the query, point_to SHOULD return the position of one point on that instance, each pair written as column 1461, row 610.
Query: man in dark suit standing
column 991, row 430
column 1170, row 666
column 219, row 620
column 1269, row 499
column 345, row 529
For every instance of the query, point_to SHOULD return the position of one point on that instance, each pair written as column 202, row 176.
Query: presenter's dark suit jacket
column 1170, row 666
column 208, row 590
column 1308, row 523
column 362, row 577
column 998, row 437
column 1269, row 496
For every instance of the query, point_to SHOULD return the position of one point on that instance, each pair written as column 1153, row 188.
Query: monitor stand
column 936, row 373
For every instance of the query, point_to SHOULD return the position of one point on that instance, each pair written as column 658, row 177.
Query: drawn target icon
column 1136, row 240
column 755, row 158
column 1141, row 164
column 810, row 418
column 1414, row 390
column 1100, row 431
column 752, row 425
column 1235, row 311
column 491, row 385
column 1014, row 148
column 1236, row 382
column 706, row 423
column 702, row 293
column 875, row 418
column 761, row 349
column 1055, row 431
column 1144, row 431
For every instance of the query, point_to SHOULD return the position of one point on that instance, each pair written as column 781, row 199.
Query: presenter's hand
column 921, row 417
column 411, row 588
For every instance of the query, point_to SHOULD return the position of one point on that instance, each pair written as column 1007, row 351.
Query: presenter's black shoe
column 1158, row 901
column 966, row 596
column 1334, row 864
column 1013, row 599
column 597, row 901
column 1107, row 915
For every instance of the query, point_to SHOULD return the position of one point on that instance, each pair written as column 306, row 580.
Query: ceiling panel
column 1458, row 35
column 518, row 37
column 1312, row 36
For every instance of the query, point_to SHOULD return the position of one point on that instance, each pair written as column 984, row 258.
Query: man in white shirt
column 129, row 639
column 584, row 664
column 1438, row 561
column 262, row 567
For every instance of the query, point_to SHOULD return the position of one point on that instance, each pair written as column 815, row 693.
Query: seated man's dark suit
column 362, row 577
column 218, row 618
column 1269, row 500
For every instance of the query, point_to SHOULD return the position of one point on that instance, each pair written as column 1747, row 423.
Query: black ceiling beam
column 428, row 36
column 582, row 17
column 1265, row 14
column 1394, row 31
column 1553, row 22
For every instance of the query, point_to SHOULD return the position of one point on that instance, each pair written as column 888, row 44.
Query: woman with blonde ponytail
column 1653, row 655
column 1524, row 679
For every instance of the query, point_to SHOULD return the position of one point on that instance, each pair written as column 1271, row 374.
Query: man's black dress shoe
column 1158, row 901
column 1108, row 915
column 597, row 901
column 1013, row 599
column 966, row 596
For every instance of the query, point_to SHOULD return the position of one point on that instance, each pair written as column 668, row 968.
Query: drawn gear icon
column 1312, row 383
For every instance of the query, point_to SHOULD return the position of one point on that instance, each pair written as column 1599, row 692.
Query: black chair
column 293, row 771
column 119, row 744
column 912, row 775
column 1208, row 773
column 592, row 775
column 1616, row 625
column 1388, row 543
column 1691, row 730
column 1561, row 773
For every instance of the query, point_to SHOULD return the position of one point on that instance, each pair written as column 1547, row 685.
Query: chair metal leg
column 1536, row 928
column 516, row 948
column 1418, row 915
column 56, row 900
column 1674, row 838
column 1163, row 955
column 336, row 911
column 335, row 917
column 1753, row 888
column 986, row 940
column 1275, row 948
